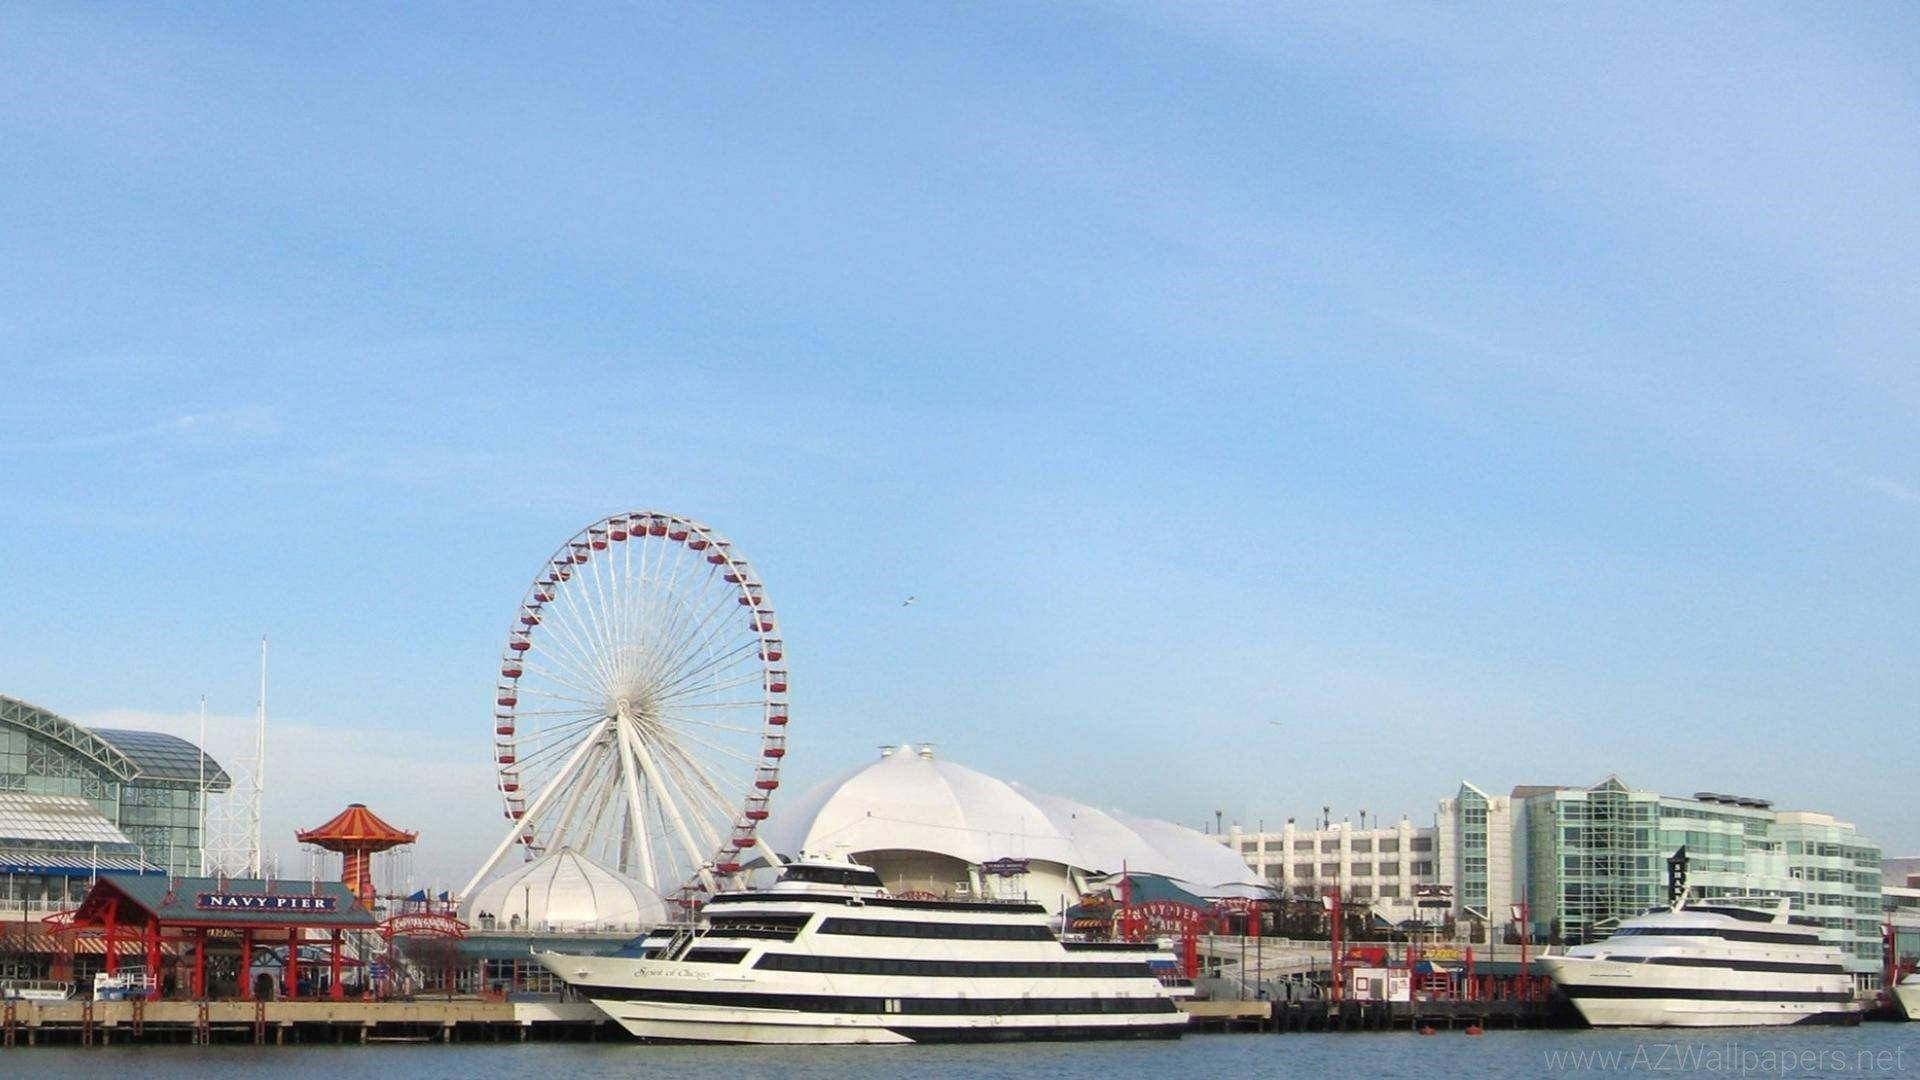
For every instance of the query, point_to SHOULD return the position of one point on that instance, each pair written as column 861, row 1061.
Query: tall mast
column 202, row 833
column 256, row 857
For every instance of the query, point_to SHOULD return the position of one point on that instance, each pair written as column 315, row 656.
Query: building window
column 1389, row 892
column 1329, row 869
column 1328, row 847
column 1303, row 845
column 1303, row 870
column 1388, row 845
column 1422, row 843
column 1363, row 846
column 1361, row 869
column 1422, row 869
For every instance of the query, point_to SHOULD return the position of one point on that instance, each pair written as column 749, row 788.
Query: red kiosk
column 357, row 833
column 170, row 915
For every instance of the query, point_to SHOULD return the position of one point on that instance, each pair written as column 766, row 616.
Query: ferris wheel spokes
column 651, row 672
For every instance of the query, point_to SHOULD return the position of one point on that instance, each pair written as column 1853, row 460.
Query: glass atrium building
column 74, row 799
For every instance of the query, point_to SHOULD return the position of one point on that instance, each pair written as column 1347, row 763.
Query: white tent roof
column 1202, row 861
column 565, row 890
column 910, row 800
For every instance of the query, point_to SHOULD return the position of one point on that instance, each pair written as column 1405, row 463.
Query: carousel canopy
column 356, row 828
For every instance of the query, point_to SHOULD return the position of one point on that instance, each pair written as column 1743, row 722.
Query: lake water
column 1872, row 1050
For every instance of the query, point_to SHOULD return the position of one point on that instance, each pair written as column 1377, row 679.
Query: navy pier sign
column 1004, row 867
column 265, row 903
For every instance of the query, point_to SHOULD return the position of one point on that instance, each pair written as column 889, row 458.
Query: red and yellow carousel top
column 356, row 829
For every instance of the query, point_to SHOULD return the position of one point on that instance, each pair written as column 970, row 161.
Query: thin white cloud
column 1893, row 489
column 219, row 427
column 315, row 770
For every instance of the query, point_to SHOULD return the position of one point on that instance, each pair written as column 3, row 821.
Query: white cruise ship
column 826, row 956
column 1707, row 964
column 1907, row 993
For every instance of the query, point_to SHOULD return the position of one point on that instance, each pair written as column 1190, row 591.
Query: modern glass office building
column 1475, row 833
column 146, row 786
column 1594, row 856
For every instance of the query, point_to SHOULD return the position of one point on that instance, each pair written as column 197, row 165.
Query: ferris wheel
column 641, row 712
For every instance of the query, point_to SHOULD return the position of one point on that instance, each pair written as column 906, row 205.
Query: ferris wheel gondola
column 640, row 715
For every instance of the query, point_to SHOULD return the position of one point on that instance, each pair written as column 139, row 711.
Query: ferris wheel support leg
column 773, row 857
column 697, row 853
column 636, row 820
column 538, row 806
column 567, row 811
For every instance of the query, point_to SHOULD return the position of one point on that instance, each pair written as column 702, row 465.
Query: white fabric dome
column 564, row 890
column 1202, row 861
column 911, row 801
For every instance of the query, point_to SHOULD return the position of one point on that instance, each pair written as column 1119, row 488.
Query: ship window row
column 978, row 969
column 828, row 1003
column 776, row 926
column 1728, row 935
column 714, row 956
column 962, row 931
column 830, row 875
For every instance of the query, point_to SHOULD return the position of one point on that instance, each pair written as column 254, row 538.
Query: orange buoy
column 1474, row 1029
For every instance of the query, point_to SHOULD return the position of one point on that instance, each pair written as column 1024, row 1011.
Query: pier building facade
column 1384, row 866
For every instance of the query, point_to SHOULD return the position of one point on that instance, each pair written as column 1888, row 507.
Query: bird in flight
column 908, row 601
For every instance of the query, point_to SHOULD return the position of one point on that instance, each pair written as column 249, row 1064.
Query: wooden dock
column 103, row 1023
column 89, row 1023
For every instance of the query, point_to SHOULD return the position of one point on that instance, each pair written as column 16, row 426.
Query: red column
column 113, row 943
column 291, row 970
column 200, row 964
column 335, row 992
column 153, row 958
column 246, row 964
column 1333, row 915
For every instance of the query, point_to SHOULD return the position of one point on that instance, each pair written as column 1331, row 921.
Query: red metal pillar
column 153, row 958
column 290, row 971
column 336, row 992
column 246, row 964
column 113, row 941
column 1526, row 968
column 1333, row 914
column 1466, row 984
column 200, row 964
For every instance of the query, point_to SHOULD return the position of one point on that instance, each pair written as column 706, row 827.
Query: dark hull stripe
column 1039, row 1034
column 1690, row 993
column 1055, row 1033
column 1768, row 937
column 881, row 1006
column 1748, row 965
column 973, row 969
column 1009, row 907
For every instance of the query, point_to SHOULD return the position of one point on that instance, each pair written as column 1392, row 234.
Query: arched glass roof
column 160, row 756
column 124, row 754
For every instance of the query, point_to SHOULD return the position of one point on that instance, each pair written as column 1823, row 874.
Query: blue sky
column 1268, row 410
